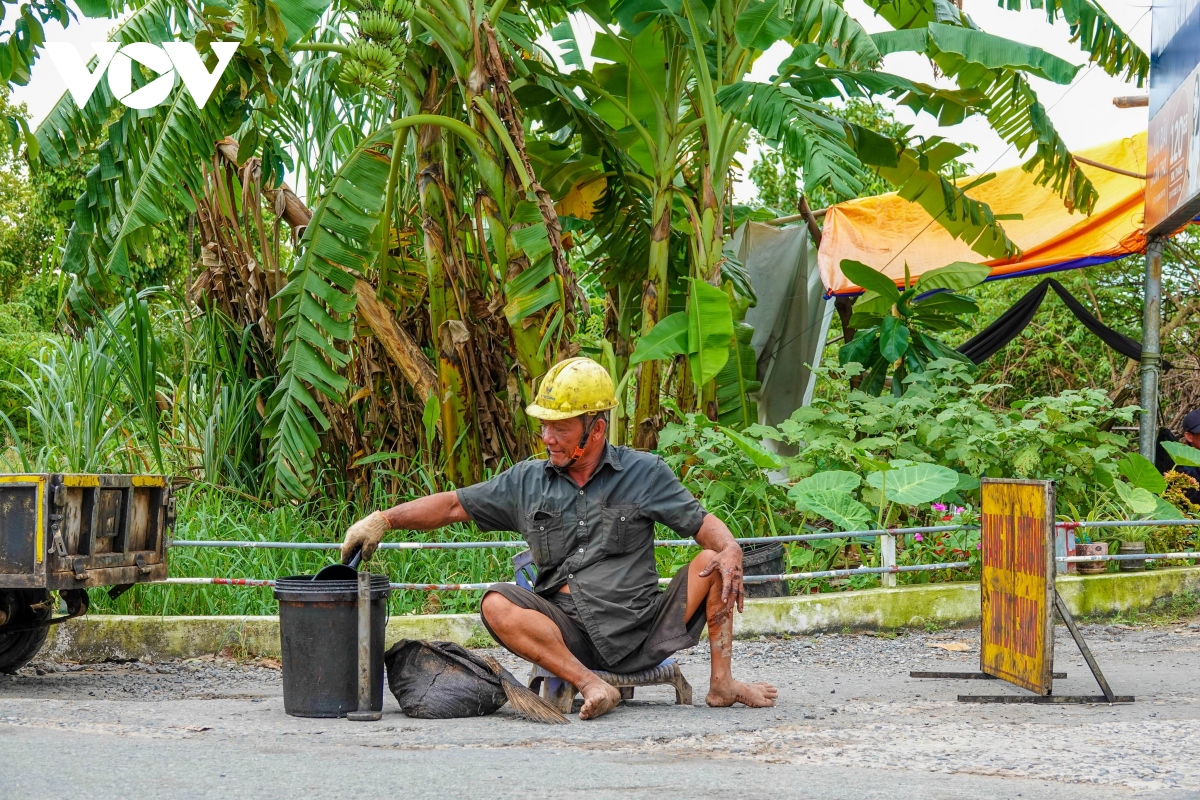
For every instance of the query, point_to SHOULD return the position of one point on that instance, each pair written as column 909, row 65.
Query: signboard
column 1017, row 582
column 1173, row 142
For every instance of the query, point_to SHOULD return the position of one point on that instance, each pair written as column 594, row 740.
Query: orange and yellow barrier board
column 1017, row 582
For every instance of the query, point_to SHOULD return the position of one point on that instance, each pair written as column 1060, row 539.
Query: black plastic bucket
column 764, row 559
column 318, row 633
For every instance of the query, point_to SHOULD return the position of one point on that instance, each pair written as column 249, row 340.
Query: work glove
column 366, row 534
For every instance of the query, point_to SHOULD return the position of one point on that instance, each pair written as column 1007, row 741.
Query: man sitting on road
column 588, row 515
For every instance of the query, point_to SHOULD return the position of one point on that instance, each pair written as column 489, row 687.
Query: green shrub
column 943, row 418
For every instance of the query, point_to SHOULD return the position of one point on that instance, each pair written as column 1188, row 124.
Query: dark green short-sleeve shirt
column 598, row 538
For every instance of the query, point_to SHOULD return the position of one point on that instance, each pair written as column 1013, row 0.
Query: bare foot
column 728, row 692
column 598, row 699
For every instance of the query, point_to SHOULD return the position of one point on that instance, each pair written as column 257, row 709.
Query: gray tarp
column 791, row 319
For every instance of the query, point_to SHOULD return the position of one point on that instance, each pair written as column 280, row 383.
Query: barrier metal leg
column 1065, row 613
column 1053, row 699
column 364, row 713
column 967, row 676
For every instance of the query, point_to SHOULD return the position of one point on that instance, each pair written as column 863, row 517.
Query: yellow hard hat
column 573, row 388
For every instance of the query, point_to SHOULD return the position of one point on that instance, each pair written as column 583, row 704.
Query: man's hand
column 366, row 534
column 729, row 563
column 422, row 514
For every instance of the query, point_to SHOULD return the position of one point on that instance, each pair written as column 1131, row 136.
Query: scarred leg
column 723, row 689
column 535, row 637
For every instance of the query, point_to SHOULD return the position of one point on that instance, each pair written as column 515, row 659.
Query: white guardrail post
column 887, row 559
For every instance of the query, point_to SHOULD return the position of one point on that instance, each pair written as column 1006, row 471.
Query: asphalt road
column 850, row 724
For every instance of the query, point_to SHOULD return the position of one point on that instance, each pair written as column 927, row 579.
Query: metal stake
column 364, row 712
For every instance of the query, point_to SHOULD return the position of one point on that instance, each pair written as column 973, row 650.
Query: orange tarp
column 885, row 232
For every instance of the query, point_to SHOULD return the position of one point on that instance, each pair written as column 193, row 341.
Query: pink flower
column 959, row 509
column 938, row 506
column 977, row 545
column 918, row 537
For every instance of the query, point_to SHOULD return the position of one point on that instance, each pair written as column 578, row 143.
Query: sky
column 1083, row 112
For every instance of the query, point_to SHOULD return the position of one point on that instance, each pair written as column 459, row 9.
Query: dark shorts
column 668, row 633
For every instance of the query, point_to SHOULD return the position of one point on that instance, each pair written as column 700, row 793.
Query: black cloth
column 597, row 538
column 1162, row 460
column 1009, row 325
column 668, row 633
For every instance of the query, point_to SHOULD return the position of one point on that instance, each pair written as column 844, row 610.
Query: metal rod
column 468, row 587
column 1128, row 523
column 806, row 537
column 1151, row 322
column 217, row 582
column 1051, row 699
column 1065, row 613
column 1125, row 557
column 967, row 676
column 338, row 546
column 444, row 587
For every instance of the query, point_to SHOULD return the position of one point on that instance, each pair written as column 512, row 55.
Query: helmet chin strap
column 587, row 433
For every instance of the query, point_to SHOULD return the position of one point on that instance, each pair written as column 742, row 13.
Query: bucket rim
column 304, row 588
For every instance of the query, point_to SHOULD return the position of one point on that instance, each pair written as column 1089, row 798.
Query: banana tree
column 449, row 78
column 151, row 161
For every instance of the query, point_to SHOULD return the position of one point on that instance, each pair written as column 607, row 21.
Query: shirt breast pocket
column 546, row 535
column 624, row 528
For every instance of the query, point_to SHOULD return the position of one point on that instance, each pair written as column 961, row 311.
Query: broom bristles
column 523, row 700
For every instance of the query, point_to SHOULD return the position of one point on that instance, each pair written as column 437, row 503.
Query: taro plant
column 1142, row 496
column 888, row 486
column 897, row 329
column 1182, row 454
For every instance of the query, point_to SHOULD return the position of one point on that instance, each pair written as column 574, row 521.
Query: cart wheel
column 18, row 648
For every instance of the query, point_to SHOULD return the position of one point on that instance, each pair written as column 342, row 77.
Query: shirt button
column 580, row 522
column 542, row 528
column 581, row 491
column 570, row 576
column 622, row 519
column 581, row 549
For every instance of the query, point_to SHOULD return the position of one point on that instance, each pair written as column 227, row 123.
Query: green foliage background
column 208, row 375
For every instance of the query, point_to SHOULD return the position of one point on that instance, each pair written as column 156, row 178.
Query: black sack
column 441, row 680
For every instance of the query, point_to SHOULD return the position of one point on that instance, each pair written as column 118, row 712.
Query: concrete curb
column 101, row 637
column 98, row 637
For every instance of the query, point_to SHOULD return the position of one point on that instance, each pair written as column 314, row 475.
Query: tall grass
column 75, row 426
column 209, row 512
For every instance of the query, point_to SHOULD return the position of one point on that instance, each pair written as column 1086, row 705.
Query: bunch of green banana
column 378, row 51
